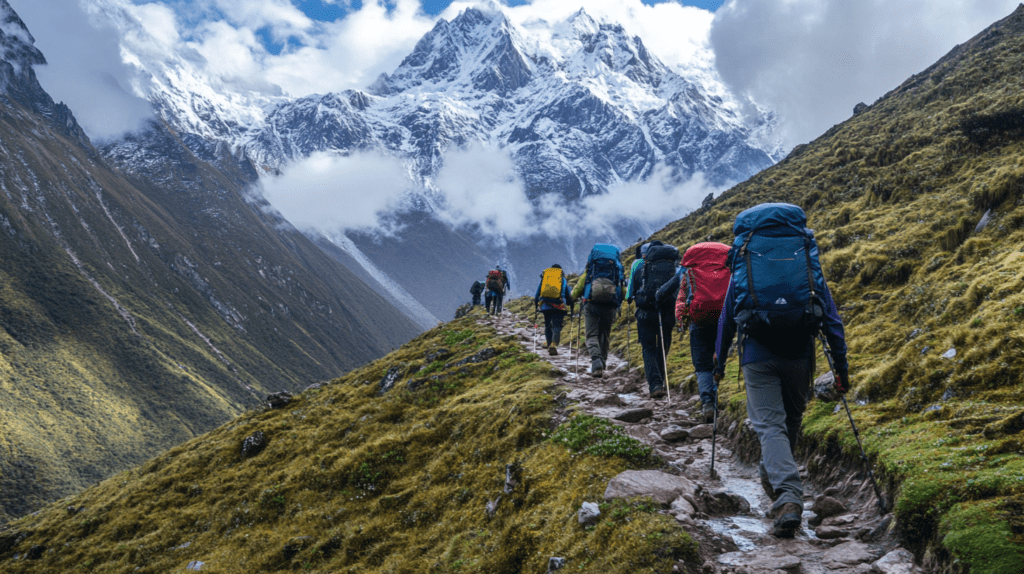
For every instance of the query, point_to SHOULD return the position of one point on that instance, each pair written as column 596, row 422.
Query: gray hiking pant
column 599, row 319
column 776, row 399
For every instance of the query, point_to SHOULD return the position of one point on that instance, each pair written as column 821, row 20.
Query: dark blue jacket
column 755, row 352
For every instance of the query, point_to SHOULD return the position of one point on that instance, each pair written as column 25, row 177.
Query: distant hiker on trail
column 654, row 319
column 777, row 301
column 700, row 289
column 476, row 290
column 553, row 292
column 497, row 284
column 600, row 288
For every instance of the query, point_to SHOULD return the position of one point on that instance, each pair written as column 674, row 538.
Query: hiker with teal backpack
column 552, row 296
column 600, row 289
column 699, row 290
column 777, row 301
column 654, row 319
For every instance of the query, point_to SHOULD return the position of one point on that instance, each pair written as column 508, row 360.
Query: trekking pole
column 535, row 333
column 714, row 431
column 572, row 317
column 628, row 313
column 856, row 433
column 578, row 325
column 664, row 360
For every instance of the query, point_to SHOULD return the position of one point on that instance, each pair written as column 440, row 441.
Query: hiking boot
column 552, row 350
column 596, row 369
column 788, row 521
column 708, row 410
column 769, row 489
column 658, row 392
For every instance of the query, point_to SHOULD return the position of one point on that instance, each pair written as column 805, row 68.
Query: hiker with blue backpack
column 654, row 319
column 699, row 289
column 552, row 296
column 777, row 301
column 600, row 289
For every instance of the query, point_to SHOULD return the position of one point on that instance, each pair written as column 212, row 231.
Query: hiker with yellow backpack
column 552, row 296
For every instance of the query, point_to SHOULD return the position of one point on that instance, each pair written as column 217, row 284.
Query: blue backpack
column 776, row 275
column 604, row 275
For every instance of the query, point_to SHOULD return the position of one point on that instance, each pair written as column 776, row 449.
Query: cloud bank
column 814, row 60
column 85, row 69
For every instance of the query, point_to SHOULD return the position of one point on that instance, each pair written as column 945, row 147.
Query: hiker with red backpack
column 552, row 296
column 600, row 288
column 654, row 319
column 497, row 283
column 777, row 301
column 701, row 286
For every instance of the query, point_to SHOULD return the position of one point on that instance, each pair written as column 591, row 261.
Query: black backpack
column 477, row 288
column 658, row 268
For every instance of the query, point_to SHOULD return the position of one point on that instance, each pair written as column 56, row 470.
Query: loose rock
column 674, row 433
column 701, row 431
column 680, row 506
column 662, row 487
column 824, row 388
column 253, row 444
column 589, row 514
column 848, row 554
column 826, row 507
column 830, row 532
column 634, row 415
column 899, row 561
column 278, row 400
column 555, row 563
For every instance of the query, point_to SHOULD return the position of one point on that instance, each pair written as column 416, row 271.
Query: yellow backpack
column 551, row 285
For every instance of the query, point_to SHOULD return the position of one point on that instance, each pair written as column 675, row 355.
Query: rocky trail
column 842, row 532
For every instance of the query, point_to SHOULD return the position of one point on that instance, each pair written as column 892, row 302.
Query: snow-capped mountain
column 580, row 106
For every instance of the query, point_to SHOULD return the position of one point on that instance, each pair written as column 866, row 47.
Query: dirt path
column 728, row 517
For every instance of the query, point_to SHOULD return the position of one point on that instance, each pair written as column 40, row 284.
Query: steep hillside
column 139, row 313
column 918, row 203
column 388, row 469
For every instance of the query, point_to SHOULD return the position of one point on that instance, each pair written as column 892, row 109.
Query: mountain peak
column 17, row 46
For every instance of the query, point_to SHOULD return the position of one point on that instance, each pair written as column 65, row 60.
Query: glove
column 842, row 382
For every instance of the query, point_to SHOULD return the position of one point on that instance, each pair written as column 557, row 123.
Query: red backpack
column 704, row 284
column 495, row 282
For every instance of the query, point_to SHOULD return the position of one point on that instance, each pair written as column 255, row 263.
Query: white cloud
column 85, row 68
column 330, row 192
column 813, row 60
column 480, row 186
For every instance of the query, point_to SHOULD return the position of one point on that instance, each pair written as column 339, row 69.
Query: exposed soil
column 729, row 519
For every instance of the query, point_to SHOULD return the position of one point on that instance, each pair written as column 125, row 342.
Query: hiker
column 654, row 319
column 553, row 292
column 476, row 290
column 700, row 288
column 496, row 285
column 600, row 288
column 777, row 302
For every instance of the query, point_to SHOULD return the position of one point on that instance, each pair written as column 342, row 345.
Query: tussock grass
column 353, row 480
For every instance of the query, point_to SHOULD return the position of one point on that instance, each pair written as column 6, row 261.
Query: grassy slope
column 895, row 194
column 352, row 481
column 214, row 309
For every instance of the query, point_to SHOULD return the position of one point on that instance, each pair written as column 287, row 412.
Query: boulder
column 681, row 506
column 826, row 507
column 253, row 444
column 660, row 486
column 701, row 431
column 830, row 532
column 555, row 563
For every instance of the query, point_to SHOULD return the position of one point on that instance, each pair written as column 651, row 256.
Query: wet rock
column 768, row 559
column 701, row 431
column 661, row 486
column 899, row 561
column 674, row 433
column 830, row 532
column 847, row 555
column 634, row 415
column 253, row 444
column 723, row 502
column 824, row 388
column 949, row 354
column 680, row 506
column 844, row 520
column 607, row 400
column 555, row 563
column 826, row 507
column 195, row 565
column 279, row 399
column 589, row 514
